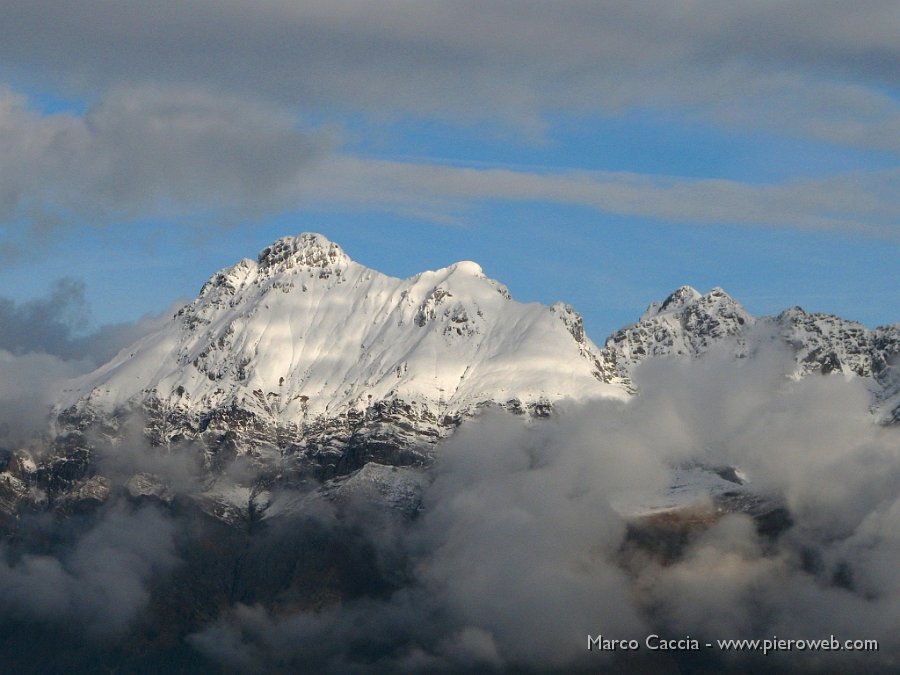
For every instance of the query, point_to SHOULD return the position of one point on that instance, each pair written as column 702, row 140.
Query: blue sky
column 598, row 153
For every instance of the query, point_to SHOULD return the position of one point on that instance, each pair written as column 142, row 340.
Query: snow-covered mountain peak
column 309, row 249
column 686, row 323
column 687, row 305
column 307, row 361
column 716, row 311
column 462, row 280
column 304, row 336
column 679, row 298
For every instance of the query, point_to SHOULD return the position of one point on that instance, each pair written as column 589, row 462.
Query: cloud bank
column 519, row 554
column 520, row 549
column 99, row 584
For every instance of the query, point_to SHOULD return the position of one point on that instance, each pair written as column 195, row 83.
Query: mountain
column 306, row 351
column 309, row 366
column 261, row 465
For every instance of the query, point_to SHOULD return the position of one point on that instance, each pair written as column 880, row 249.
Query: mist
column 96, row 584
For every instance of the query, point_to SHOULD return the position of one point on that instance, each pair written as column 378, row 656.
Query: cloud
column 518, row 553
column 144, row 153
column 194, row 106
column 510, row 561
column 99, row 585
column 148, row 151
column 776, row 66
column 29, row 384
column 58, row 325
column 45, row 324
column 38, row 352
column 520, row 537
column 45, row 342
column 860, row 202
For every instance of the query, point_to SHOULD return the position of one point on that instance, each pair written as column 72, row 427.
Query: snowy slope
column 306, row 339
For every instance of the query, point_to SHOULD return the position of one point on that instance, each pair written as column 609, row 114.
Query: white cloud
column 517, row 554
column 863, row 202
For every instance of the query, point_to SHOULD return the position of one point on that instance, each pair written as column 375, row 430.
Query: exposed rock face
column 13, row 491
column 85, row 495
column 827, row 344
column 376, row 485
column 685, row 324
column 311, row 366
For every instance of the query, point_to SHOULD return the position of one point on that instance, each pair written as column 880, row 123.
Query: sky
column 599, row 153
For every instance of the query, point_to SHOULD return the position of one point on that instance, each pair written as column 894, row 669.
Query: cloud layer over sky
column 829, row 66
column 222, row 125
column 158, row 152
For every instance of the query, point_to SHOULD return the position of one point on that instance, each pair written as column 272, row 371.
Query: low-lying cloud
column 519, row 554
column 46, row 341
column 29, row 384
column 97, row 585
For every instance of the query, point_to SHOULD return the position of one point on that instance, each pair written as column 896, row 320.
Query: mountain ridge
column 310, row 366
